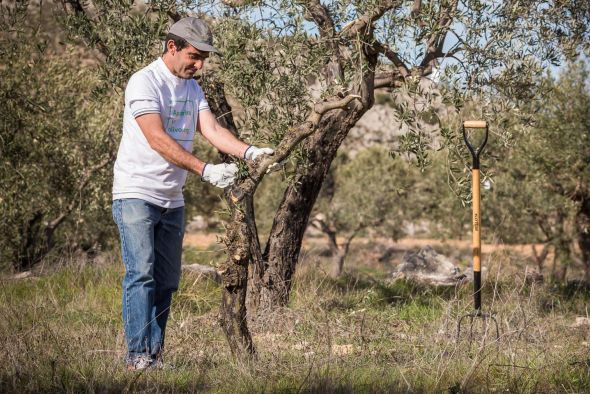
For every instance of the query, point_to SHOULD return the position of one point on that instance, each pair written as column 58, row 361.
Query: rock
column 198, row 223
column 428, row 266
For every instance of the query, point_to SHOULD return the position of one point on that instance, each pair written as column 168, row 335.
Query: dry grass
column 361, row 333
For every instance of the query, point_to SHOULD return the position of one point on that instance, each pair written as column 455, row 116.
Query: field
column 361, row 333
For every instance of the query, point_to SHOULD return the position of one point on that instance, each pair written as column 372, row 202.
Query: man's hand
column 253, row 152
column 220, row 175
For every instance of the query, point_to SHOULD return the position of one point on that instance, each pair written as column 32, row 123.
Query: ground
column 360, row 333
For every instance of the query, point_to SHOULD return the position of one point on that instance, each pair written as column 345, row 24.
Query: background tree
column 367, row 193
column 538, row 185
column 556, row 159
column 56, row 144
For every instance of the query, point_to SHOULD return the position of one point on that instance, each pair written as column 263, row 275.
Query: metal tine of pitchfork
column 476, row 230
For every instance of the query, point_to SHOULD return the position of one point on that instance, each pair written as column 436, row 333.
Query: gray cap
column 196, row 32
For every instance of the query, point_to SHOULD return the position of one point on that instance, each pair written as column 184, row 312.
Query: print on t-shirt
column 180, row 120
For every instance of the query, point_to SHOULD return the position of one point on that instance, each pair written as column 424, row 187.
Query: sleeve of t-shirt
column 202, row 104
column 141, row 96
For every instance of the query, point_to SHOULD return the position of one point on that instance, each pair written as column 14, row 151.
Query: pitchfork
column 476, row 229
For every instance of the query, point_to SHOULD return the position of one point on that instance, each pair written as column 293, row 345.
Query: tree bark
column 234, row 276
column 240, row 239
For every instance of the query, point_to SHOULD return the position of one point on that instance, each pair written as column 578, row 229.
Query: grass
column 361, row 333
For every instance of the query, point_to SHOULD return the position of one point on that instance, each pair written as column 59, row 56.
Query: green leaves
column 51, row 136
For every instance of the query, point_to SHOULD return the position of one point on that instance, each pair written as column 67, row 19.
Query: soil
column 205, row 240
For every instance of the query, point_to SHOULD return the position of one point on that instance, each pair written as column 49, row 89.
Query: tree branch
column 323, row 107
column 388, row 80
column 77, row 9
column 437, row 38
column 329, row 231
column 403, row 70
column 293, row 137
column 318, row 13
column 362, row 24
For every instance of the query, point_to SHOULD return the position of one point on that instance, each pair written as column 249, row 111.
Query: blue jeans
column 151, row 245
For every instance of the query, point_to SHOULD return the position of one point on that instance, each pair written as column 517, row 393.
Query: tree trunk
column 540, row 258
column 271, row 283
column 234, row 276
column 583, row 231
column 562, row 258
column 241, row 240
column 338, row 263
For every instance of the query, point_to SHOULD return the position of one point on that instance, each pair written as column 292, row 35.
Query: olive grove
column 304, row 72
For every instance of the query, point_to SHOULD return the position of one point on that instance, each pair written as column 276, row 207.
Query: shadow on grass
column 394, row 292
column 354, row 290
column 68, row 380
column 573, row 296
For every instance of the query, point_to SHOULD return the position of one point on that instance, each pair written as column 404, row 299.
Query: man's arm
column 161, row 142
column 219, row 136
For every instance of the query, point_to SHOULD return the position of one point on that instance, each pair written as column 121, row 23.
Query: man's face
column 187, row 61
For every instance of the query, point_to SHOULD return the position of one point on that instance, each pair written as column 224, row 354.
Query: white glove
column 253, row 152
column 220, row 175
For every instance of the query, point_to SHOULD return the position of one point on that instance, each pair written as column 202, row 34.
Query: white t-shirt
column 140, row 171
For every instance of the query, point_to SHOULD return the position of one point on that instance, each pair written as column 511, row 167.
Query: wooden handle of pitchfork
column 475, row 124
column 476, row 196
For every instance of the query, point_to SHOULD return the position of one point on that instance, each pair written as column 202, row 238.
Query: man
column 164, row 106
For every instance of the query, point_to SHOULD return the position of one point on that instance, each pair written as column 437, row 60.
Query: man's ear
column 171, row 47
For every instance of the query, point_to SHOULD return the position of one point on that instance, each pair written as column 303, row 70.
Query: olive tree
column 367, row 193
column 56, row 144
column 352, row 50
column 556, row 159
